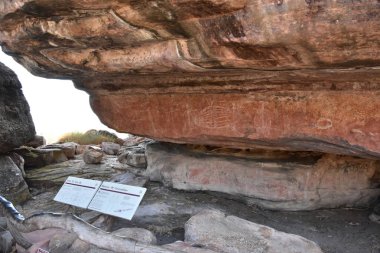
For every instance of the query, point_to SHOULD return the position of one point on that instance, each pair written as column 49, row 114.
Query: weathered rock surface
column 230, row 234
column 12, row 184
column 16, row 122
column 137, row 234
column 134, row 157
column 294, row 75
column 110, row 148
column 62, row 242
column 165, row 211
column 3, row 224
column 19, row 161
column 109, row 170
column 275, row 180
column 36, row 142
column 92, row 156
column 68, row 148
column 186, row 247
column 375, row 215
column 6, row 242
column 37, row 158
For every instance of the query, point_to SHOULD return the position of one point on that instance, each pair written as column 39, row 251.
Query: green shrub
column 90, row 137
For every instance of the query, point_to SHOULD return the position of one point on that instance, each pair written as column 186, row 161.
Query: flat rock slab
column 275, row 180
column 230, row 234
column 56, row 174
column 69, row 148
column 37, row 158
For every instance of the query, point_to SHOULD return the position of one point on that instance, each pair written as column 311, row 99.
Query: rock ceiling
column 281, row 74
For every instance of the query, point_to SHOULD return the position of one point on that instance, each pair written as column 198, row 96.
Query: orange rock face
column 336, row 122
column 281, row 74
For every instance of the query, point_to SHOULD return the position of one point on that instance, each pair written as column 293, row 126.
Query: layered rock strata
column 293, row 75
column 275, row 180
column 12, row 183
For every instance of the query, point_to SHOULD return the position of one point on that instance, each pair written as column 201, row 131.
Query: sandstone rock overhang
column 284, row 74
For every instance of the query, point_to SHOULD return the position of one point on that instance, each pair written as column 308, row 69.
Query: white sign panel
column 117, row 200
column 78, row 191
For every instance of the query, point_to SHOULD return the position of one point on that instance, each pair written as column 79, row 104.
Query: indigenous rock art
column 293, row 75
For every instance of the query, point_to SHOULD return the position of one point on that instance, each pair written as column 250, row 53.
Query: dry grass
column 87, row 138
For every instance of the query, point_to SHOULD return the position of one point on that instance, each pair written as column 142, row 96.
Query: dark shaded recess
column 223, row 27
column 47, row 8
column 257, row 155
column 203, row 8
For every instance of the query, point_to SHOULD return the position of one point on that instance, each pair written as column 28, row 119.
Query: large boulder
column 294, row 75
column 12, row 184
column 275, row 180
column 16, row 122
column 230, row 234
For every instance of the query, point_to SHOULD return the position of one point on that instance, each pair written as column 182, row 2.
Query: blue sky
column 56, row 106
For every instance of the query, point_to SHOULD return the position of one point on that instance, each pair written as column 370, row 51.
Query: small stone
column 137, row 234
column 110, row 148
column 91, row 156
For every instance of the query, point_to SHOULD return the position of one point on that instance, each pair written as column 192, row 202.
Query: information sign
column 78, row 191
column 117, row 199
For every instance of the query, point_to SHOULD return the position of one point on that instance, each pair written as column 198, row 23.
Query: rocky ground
column 204, row 220
column 164, row 211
